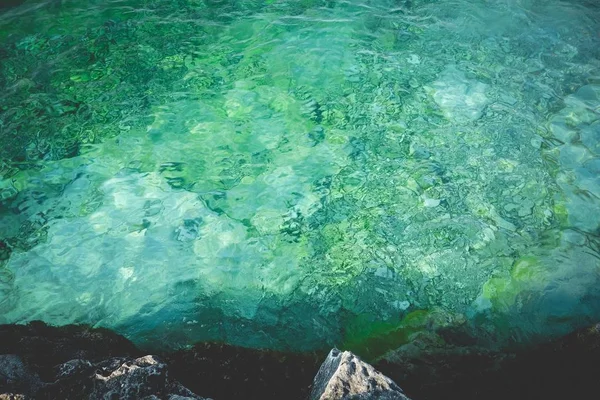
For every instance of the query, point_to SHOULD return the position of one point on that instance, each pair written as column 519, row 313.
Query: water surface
column 297, row 175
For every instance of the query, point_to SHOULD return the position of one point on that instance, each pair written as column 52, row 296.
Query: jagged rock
column 144, row 377
column 138, row 378
column 73, row 367
column 41, row 347
column 12, row 396
column 122, row 378
column 345, row 376
column 38, row 361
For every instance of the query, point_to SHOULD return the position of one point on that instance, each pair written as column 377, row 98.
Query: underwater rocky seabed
column 301, row 175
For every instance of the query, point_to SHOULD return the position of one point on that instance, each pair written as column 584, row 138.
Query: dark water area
column 297, row 175
column 10, row 3
column 564, row 368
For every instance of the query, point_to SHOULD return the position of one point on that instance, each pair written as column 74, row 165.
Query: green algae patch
column 371, row 338
column 527, row 272
column 501, row 292
column 527, row 269
column 561, row 213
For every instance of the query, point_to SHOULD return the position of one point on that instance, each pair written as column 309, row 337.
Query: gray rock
column 142, row 378
column 344, row 376
column 72, row 367
column 13, row 396
column 116, row 378
column 139, row 378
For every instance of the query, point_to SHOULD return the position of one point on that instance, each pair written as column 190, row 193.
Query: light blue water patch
column 267, row 174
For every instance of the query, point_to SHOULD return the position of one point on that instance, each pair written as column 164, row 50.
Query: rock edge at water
column 345, row 376
column 38, row 361
column 76, row 362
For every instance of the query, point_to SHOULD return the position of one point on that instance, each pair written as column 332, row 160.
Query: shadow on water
column 564, row 368
column 10, row 3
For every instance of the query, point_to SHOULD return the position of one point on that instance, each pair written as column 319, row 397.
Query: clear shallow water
column 298, row 175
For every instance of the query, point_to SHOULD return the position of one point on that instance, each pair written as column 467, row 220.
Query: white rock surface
column 345, row 376
column 461, row 99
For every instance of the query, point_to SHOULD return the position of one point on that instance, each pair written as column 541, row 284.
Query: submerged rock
column 461, row 99
column 345, row 376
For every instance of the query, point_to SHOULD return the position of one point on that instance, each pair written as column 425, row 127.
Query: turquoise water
column 297, row 175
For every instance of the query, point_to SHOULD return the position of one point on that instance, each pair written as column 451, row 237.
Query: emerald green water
column 296, row 175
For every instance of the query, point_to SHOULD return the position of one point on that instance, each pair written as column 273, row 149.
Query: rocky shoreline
column 38, row 361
